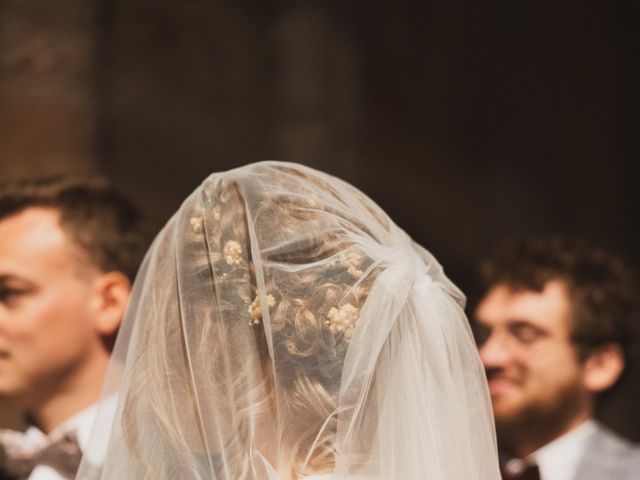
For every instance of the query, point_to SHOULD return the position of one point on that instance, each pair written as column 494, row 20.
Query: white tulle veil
column 283, row 326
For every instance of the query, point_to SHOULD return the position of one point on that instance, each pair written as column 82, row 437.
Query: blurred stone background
column 468, row 122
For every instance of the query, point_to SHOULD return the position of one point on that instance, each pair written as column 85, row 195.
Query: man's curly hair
column 602, row 289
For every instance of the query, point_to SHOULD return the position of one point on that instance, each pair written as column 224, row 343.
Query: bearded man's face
column 535, row 377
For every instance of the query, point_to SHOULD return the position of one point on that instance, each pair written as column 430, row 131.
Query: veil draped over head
column 282, row 326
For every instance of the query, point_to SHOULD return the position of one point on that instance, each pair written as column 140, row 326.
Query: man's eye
column 481, row 333
column 9, row 294
column 526, row 334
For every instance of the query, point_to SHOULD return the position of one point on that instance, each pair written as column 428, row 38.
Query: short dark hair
column 101, row 221
column 602, row 289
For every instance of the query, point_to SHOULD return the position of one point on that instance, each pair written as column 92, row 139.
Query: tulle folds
column 283, row 327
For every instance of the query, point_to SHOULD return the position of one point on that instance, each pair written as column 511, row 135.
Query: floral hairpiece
column 343, row 320
column 255, row 309
column 196, row 224
column 232, row 253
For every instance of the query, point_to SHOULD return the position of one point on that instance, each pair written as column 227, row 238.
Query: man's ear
column 113, row 294
column 603, row 367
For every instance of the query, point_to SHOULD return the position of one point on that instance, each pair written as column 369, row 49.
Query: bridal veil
column 283, row 326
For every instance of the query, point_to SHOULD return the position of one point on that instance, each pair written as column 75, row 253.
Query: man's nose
column 495, row 351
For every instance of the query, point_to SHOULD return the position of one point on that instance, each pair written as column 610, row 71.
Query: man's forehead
column 504, row 303
column 33, row 237
column 32, row 227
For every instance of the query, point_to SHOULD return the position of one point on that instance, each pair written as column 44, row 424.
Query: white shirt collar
column 559, row 459
column 81, row 424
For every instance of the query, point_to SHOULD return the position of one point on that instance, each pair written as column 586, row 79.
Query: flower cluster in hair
column 255, row 309
column 343, row 320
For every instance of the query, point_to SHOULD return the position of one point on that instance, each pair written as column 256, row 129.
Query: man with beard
column 553, row 329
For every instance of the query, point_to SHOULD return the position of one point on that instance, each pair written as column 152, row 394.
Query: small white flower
column 196, row 224
column 232, row 253
column 255, row 310
column 343, row 320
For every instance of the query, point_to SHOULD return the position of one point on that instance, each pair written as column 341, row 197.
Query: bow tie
column 20, row 453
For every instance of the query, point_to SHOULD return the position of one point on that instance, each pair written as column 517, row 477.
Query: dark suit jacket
column 609, row 457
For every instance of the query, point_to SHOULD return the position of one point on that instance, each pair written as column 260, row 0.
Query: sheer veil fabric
column 282, row 326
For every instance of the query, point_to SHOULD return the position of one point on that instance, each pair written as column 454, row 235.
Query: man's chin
column 10, row 393
column 506, row 410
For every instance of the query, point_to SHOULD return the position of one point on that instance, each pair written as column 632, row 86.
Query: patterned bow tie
column 19, row 454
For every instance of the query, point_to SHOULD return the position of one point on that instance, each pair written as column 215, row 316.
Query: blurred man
column 69, row 250
column 553, row 328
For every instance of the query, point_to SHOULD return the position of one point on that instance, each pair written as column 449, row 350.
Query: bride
column 283, row 327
